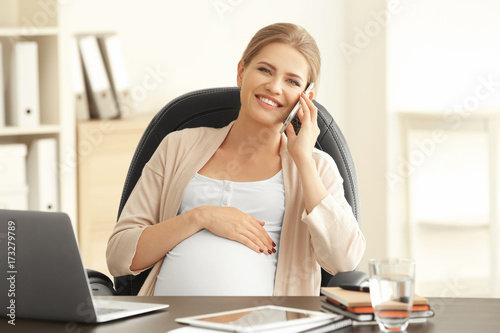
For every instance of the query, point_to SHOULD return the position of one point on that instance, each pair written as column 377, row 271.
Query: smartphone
column 293, row 113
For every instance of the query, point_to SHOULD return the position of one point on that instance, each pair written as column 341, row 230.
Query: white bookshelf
column 14, row 131
column 17, row 32
column 46, row 24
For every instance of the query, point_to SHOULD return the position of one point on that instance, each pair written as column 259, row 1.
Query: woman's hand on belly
column 232, row 223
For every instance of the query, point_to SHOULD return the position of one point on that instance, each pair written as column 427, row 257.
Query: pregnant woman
column 243, row 210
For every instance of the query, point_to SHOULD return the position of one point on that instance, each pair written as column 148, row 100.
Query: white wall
column 440, row 53
column 408, row 55
column 197, row 44
column 439, row 49
column 365, row 57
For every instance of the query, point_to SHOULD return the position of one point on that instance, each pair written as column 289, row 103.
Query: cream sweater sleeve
column 141, row 210
column 336, row 238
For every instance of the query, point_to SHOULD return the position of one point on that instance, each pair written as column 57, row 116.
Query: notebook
column 43, row 276
column 358, row 299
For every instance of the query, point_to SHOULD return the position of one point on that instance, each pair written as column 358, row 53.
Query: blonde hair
column 291, row 35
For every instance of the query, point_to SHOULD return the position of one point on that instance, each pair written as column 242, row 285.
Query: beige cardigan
column 329, row 236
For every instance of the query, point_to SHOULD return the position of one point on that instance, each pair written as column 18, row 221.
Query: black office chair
column 217, row 108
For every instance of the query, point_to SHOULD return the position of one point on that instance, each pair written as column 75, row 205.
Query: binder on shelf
column 101, row 100
column 42, row 172
column 117, row 73
column 2, row 90
column 12, row 165
column 79, row 93
column 24, row 108
column 14, row 197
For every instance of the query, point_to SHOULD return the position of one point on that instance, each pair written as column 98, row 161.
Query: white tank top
column 206, row 264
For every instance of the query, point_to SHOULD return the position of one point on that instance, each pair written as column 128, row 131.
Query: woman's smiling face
column 272, row 82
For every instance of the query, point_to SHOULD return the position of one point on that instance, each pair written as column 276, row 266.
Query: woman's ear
column 241, row 69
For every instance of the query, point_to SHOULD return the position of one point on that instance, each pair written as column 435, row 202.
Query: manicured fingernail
column 269, row 251
column 261, row 251
column 274, row 244
column 274, row 250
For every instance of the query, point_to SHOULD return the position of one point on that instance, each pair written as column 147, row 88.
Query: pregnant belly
column 206, row 264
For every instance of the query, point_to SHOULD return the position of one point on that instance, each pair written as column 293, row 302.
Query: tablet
column 260, row 318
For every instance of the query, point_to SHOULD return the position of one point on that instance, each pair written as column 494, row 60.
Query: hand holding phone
column 293, row 113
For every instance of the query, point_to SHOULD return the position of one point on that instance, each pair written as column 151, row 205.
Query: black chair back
column 217, row 108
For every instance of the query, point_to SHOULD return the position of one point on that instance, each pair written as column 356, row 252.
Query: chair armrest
column 100, row 284
column 348, row 278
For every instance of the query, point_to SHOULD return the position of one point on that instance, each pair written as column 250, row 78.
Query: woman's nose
column 274, row 86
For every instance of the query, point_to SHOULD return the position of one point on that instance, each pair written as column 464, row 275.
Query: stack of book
column 357, row 305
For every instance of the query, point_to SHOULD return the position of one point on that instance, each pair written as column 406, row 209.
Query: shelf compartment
column 29, row 16
column 48, row 80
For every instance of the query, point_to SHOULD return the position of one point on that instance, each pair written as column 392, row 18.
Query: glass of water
column 392, row 285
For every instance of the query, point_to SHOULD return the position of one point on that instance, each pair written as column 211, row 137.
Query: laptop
column 42, row 274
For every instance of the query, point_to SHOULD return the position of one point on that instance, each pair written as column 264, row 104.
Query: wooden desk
column 452, row 315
